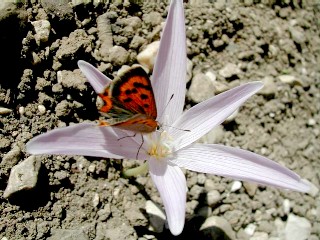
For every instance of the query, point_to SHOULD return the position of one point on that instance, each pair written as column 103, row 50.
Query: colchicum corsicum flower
column 173, row 146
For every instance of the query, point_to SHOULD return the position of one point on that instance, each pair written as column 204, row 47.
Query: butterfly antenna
column 185, row 130
column 166, row 105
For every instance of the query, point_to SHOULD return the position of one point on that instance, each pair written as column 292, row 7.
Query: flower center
column 160, row 145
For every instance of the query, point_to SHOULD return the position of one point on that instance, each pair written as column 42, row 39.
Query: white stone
column 232, row 117
column 148, row 56
column 250, row 229
column 42, row 29
column 96, row 200
column 41, row 109
column 219, row 222
column 92, row 168
column 311, row 122
column 286, row 206
column 229, row 70
column 297, row 228
column 236, row 185
column 156, row 215
column 21, row 110
column 289, row 79
column 4, row 110
column 259, row 236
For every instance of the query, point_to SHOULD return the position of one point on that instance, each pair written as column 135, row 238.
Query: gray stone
column 156, row 216
column 23, row 177
column 213, row 197
column 250, row 188
column 201, row 88
column 297, row 228
column 229, row 70
column 76, row 42
column 298, row 35
column 153, row 18
column 118, row 55
column 11, row 158
column 195, row 191
column 221, row 223
column 259, row 236
column 42, row 29
column 72, row 79
column 66, row 234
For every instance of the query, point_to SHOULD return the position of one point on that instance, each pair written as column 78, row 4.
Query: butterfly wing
column 132, row 90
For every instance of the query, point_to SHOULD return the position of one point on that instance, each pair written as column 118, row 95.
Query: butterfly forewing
column 133, row 91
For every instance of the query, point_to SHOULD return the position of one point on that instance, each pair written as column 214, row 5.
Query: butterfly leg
column 142, row 142
column 127, row 136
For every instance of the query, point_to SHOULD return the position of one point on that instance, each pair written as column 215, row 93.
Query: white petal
column 171, row 184
column 204, row 116
column 170, row 71
column 238, row 164
column 86, row 139
column 97, row 79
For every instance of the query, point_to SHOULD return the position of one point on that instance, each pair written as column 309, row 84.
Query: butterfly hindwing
column 129, row 102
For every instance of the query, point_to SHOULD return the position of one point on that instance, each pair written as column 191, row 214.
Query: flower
column 173, row 146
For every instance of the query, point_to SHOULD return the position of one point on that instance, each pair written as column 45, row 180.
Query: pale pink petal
column 171, row 184
column 169, row 75
column 97, row 79
column 204, row 116
column 238, row 164
column 86, row 139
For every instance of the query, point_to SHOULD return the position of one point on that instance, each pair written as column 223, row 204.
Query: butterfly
column 128, row 102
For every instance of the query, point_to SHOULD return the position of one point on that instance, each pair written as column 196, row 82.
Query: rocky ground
column 229, row 42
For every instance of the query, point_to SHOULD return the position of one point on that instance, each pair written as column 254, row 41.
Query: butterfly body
column 129, row 102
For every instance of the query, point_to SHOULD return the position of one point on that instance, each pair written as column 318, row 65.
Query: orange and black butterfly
column 128, row 102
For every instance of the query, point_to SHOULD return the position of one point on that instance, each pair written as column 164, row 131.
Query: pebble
column 72, row 79
column 153, row 18
column 195, row 191
column 148, row 56
column 297, row 228
column 11, row 158
column 201, row 88
column 23, row 177
column 201, row 179
column 236, row 185
column 92, row 168
column 59, row 234
column 215, row 222
column 156, row 216
column 269, row 88
column 21, row 110
column 214, row 136
column 118, row 56
column 311, row 122
column 189, row 70
column 213, row 197
column 314, row 190
column 232, row 117
column 289, row 79
column 42, row 29
column 251, row 188
column 96, row 200
column 41, row 109
column 298, row 35
column 229, row 70
column 4, row 110
column 259, row 236
column 286, row 206
column 250, row 229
